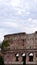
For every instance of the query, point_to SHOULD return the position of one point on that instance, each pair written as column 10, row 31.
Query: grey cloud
column 19, row 15
column 7, row 11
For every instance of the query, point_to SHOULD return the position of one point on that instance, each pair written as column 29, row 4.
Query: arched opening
column 17, row 56
column 31, row 57
column 24, row 58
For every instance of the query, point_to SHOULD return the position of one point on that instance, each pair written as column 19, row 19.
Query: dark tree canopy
column 0, row 45
column 5, row 45
column 1, row 60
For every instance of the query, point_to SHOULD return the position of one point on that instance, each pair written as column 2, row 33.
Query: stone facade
column 22, row 47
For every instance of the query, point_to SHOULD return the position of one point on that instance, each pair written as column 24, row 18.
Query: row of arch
column 31, row 54
column 24, row 57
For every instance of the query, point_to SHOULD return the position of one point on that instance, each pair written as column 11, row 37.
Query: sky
column 17, row 16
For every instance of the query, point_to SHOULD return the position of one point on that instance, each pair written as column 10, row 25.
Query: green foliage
column 5, row 44
column 1, row 60
column 0, row 45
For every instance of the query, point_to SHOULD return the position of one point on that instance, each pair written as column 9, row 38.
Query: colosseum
column 19, row 48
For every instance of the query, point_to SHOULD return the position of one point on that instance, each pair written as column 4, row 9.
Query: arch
column 31, row 54
column 31, row 57
column 24, row 58
column 17, row 56
column 23, row 54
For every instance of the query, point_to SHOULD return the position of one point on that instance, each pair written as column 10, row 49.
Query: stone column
column 27, row 58
column 34, row 58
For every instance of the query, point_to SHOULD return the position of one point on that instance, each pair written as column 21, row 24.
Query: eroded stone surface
column 21, row 43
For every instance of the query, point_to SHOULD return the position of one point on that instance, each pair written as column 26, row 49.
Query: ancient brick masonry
column 21, row 46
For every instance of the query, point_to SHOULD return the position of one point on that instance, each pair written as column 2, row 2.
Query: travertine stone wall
column 21, row 43
column 22, row 40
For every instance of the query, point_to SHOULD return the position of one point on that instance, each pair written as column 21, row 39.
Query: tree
column 0, row 45
column 1, row 60
column 5, row 45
